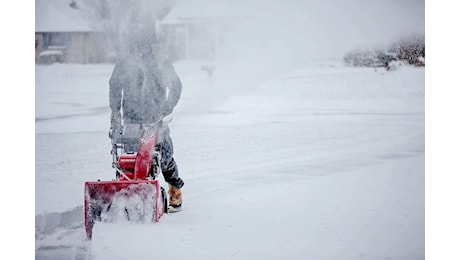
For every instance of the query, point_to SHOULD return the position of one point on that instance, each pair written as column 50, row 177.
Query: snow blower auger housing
column 135, row 194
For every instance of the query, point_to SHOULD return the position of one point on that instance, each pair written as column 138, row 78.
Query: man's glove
column 115, row 123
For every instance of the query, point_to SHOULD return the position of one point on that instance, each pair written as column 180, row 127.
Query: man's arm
column 174, row 85
column 116, row 82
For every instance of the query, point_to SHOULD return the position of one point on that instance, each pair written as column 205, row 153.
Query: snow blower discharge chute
column 135, row 194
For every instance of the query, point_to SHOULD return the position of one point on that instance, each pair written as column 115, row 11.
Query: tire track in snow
column 61, row 235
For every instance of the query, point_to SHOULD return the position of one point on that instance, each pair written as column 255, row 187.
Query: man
column 146, row 88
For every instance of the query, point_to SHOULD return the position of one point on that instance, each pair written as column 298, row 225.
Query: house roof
column 58, row 16
column 207, row 9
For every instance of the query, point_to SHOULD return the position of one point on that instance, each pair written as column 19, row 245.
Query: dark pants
column 168, row 164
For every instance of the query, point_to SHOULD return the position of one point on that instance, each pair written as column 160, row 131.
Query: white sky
column 441, row 165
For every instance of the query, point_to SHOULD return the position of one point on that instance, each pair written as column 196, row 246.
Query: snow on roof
column 58, row 16
column 207, row 9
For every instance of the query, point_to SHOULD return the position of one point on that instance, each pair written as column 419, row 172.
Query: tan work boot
column 175, row 199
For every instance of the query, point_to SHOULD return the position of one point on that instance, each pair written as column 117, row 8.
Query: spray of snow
column 135, row 203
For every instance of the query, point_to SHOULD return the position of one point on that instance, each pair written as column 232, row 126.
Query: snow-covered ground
column 324, row 162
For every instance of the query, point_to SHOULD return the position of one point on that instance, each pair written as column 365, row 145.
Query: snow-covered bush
column 51, row 56
column 410, row 50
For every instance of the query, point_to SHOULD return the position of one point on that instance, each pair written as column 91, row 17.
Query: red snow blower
column 135, row 194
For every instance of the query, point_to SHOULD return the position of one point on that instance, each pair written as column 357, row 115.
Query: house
column 196, row 29
column 63, row 34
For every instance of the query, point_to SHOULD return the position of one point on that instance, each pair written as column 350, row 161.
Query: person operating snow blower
column 143, row 88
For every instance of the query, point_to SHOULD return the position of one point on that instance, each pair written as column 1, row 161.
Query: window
column 56, row 40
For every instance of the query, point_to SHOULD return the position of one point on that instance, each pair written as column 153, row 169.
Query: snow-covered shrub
column 51, row 56
column 410, row 50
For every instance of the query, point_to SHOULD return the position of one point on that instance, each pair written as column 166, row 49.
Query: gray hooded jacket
column 144, row 88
